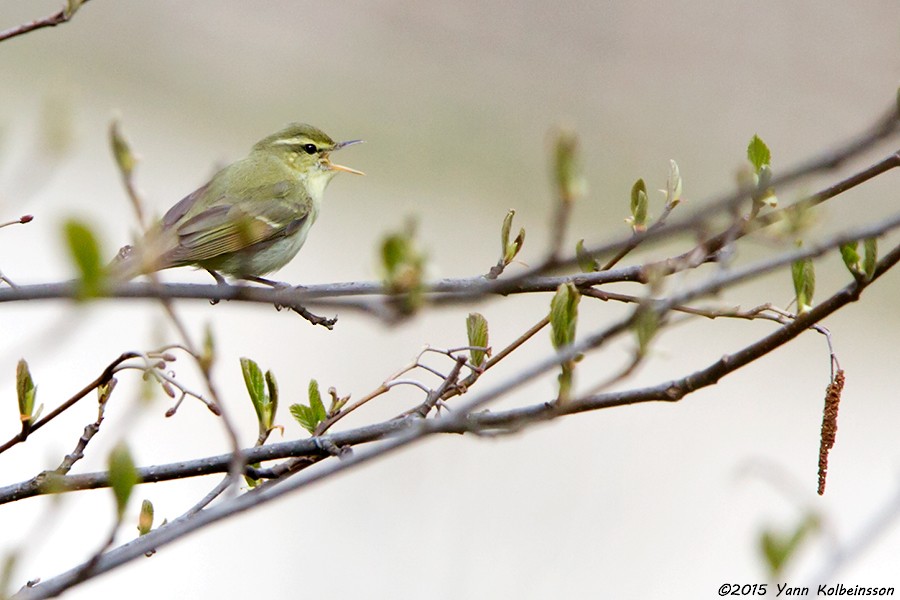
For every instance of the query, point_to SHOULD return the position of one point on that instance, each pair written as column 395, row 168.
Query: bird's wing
column 234, row 224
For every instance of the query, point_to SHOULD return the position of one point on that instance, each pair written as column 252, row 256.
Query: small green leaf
column 565, row 378
column 570, row 183
column 586, row 262
column 26, row 392
column 403, row 267
column 870, row 247
column 563, row 321
column 513, row 249
column 304, row 416
column 251, row 482
column 778, row 548
column 272, row 408
column 209, row 349
column 123, row 476
column 646, row 325
column 758, row 154
column 636, row 189
column 851, row 257
column 765, row 193
column 477, row 331
column 315, row 400
column 673, row 185
column 7, row 571
column 253, row 379
column 105, row 390
column 85, row 252
column 71, row 8
column 145, row 519
column 337, row 403
column 121, row 151
column 564, row 315
column 310, row 416
column 505, row 229
column 639, row 206
column 263, row 391
column 804, row 276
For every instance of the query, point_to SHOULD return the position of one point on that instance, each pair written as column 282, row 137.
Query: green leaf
column 251, row 482
column 778, row 548
column 26, row 392
column 758, row 153
column 851, row 257
column 71, row 8
column 870, row 262
column 403, row 266
column 263, row 391
column 563, row 321
column 304, row 416
column 477, row 331
column 639, row 206
column 123, row 476
column 636, row 190
column 145, row 519
column 315, row 400
column 765, row 193
column 570, row 183
column 121, row 151
column 310, row 416
column 105, row 390
column 337, row 403
column 804, row 276
column 85, row 252
column 646, row 325
column 505, row 229
column 253, row 379
column 586, row 262
column 564, row 315
column 272, row 386
column 513, row 249
column 209, row 349
column 566, row 379
column 673, row 185
column 393, row 252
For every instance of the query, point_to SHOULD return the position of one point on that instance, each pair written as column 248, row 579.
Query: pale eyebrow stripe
column 292, row 142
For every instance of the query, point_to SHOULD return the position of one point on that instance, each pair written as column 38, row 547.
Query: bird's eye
column 310, row 148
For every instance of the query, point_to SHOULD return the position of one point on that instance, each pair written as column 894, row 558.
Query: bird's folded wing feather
column 235, row 224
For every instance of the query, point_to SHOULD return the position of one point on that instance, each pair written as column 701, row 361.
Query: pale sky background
column 455, row 101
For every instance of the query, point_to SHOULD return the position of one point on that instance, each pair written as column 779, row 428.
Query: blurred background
column 456, row 102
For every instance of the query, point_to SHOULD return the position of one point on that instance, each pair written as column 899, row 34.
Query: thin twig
column 53, row 20
column 102, row 379
column 636, row 241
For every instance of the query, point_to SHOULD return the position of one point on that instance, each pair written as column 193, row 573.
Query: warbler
column 250, row 219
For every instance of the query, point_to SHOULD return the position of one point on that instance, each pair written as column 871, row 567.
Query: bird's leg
column 219, row 281
column 215, row 275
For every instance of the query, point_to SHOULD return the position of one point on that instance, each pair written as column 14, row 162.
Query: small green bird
column 250, row 219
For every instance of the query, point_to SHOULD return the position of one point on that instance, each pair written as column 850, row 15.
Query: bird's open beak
column 338, row 146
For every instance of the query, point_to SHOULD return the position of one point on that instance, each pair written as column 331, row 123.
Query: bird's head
column 306, row 149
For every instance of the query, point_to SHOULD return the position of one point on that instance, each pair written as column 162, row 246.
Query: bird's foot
column 219, row 281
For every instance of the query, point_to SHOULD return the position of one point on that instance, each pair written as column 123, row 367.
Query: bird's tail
column 126, row 265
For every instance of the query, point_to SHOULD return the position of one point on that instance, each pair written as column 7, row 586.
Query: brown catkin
column 829, row 425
